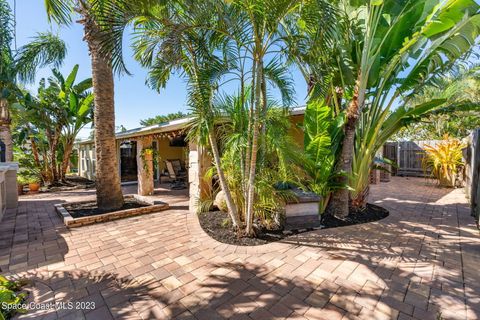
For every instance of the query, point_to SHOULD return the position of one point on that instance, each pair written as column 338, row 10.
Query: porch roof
column 174, row 125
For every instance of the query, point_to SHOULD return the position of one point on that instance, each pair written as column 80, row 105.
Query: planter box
column 71, row 222
column 303, row 212
column 8, row 187
column 385, row 175
column 374, row 176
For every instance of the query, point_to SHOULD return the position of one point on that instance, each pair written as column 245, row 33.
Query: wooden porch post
column 145, row 166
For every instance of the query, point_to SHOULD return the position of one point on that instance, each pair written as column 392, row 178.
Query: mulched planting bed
column 213, row 223
column 371, row 214
column 79, row 210
column 217, row 225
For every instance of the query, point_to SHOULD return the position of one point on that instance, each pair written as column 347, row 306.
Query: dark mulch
column 78, row 210
column 218, row 226
column 71, row 182
column 371, row 214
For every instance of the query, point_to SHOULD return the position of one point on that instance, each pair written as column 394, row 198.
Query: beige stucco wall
column 166, row 152
column 295, row 131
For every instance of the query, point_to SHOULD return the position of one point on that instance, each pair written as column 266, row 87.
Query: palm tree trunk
column 232, row 208
column 5, row 132
column 109, row 192
column 249, row 141
column 339, row 203
column 359, row 203
column 254, row 151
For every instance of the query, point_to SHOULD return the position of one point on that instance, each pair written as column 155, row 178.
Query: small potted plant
column 33, row 184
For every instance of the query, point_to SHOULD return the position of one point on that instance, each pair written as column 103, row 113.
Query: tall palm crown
column 20, row 66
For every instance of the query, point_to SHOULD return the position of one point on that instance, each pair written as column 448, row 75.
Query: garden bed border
column 71, row 222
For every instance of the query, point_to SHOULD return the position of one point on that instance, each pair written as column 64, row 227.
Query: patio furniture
column 176, row 174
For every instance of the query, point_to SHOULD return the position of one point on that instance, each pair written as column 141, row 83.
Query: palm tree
column 256, row 25
column 168, row 42
column 109, row 192
column 242, row 33
column 20, row 66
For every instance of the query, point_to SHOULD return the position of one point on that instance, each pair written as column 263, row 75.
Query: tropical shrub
column 322, row 137
column 444, row 160
column 10, row 298
column 279, row 164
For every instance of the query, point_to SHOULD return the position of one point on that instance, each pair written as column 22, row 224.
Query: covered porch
column 164, row 165
column 156, row 160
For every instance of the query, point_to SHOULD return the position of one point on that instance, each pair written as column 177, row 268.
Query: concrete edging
column 71, row 222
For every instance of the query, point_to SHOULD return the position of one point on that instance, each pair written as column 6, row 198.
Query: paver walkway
column 421, row 262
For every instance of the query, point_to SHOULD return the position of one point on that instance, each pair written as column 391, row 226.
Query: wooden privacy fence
column 472, row 171
column 408, row 156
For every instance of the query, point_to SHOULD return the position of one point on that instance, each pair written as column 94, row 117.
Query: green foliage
column 280, row 161
column 444, row 160
column 378, row 54
column 459, row 85
column 47, row 124
column 323, row 135
column 10, row 296
column 226, row 223
column 359, row 58
column 163, row 118
column 43, row 50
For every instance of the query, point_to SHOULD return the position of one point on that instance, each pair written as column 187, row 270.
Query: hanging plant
column 149, row 154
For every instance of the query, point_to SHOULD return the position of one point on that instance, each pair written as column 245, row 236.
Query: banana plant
column 51, row 120
column 77, row 102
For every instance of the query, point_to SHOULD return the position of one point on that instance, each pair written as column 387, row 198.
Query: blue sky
column 133, row 99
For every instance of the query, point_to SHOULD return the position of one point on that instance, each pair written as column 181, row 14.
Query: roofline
column 173, row 125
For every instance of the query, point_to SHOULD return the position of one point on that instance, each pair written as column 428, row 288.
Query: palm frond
column 44, row 49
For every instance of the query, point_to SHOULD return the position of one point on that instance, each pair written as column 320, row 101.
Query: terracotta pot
column 20, row 189
column 34, row 187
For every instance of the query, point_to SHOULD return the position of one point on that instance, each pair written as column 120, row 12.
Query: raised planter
column 71, row 222
column 8, row 187
column 303, row 211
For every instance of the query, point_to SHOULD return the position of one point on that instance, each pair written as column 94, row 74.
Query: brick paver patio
column 421, row 262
